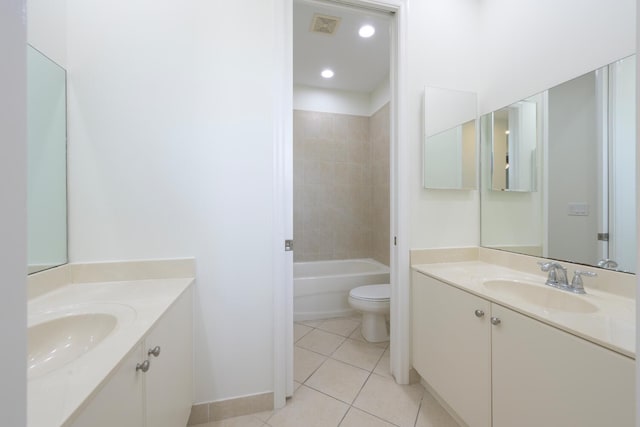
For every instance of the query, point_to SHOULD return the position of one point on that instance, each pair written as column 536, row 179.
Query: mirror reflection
column 515, row 147
column 47, row 162
column 449, row 150
column 450, row 157
column 583, row 162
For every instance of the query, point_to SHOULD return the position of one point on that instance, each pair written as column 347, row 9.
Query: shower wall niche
column 341, row 186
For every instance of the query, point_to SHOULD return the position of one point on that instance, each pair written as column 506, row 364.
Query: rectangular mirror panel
column 580, row 203
column 47, row 162
column 449, row 141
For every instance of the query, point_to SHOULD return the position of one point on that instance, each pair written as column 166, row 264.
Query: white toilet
column 373, row 302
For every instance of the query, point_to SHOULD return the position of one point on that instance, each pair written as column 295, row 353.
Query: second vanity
column 500, row 348
column 110, row 344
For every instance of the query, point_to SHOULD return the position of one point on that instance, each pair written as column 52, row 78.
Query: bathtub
column 321, row 288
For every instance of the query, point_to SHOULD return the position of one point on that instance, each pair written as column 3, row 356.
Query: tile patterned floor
column 343, row 381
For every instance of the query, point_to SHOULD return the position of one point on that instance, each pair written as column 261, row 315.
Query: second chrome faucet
column 558, row 277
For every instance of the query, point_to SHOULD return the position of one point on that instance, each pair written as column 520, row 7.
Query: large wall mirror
column 449, row 140
column 47, row 162
column 572, row 193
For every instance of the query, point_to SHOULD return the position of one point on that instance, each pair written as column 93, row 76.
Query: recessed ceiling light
column 327, row 73
column 367, row 31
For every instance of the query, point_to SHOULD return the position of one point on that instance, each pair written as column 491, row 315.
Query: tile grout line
column 370, row 373
column 415, row 423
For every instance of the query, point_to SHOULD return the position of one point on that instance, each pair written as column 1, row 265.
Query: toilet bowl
column 373, row 302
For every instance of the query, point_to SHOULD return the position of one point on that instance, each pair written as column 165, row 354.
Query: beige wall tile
column 334, row 212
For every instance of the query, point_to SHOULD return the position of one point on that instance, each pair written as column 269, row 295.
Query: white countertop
column 612, row 326
column 138, row 304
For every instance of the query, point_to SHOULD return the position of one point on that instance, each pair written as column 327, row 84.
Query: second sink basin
column 59, row 336
column 59, row 341
column 542, row 296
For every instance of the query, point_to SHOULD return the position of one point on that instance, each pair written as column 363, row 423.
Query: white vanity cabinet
column 543, row 376
column 451, row 347
column 159, row 397
column 169, row 380
column 119, row 402
column 496, row 367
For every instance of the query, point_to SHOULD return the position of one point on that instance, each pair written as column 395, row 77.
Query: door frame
column 283, row 194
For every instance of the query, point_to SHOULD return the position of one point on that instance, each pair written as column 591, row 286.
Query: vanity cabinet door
column 543, row 376
column 169, row 381
column 119, row 402
column 451, row 347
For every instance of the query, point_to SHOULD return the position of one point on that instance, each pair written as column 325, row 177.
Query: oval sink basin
column 55, row 343
column 542, row 296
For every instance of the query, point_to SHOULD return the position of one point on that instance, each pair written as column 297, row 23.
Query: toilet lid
column 372, row 292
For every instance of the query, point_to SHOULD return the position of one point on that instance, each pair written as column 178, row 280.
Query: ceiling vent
column 324, row 24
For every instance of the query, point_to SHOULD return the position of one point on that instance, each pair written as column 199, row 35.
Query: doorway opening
column 341, row 159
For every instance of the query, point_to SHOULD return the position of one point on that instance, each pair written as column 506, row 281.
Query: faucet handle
column 577, row 285
column 544, row 266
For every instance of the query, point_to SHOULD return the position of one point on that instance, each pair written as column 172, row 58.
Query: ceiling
column 360, row 65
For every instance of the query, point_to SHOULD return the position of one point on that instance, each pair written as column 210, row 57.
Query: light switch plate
column 578, row 209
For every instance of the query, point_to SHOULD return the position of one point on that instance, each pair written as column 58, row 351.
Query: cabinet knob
column 144, row 366
column 495, row 321
column 154, row 351
column 479, row 313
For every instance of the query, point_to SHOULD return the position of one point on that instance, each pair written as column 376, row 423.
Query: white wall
column 13, row 227
column 531, row 45
column 442, row 52
column 322, row 100
column 47, row 28
column 171, row 155
column 637, row 16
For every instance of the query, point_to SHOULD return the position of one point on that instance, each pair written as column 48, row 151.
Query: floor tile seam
column 333, row 397
column 314, row 371
column 376, row 416
column 367, row 344
column 415, row 422
column 313, row 351
column 327, row 355
column 378, row 361
column 343, row 361
column 337, row 333
column 360, row 392
column 380, row 418
column 351, row 364
column 328, row 395
column 306, row 333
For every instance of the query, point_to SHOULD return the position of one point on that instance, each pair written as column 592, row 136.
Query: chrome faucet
column 557, row 274
column 608, row 264
column 576, row 283
column 558, row 277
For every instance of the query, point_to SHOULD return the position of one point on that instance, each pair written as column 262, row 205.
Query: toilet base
column 374, row 327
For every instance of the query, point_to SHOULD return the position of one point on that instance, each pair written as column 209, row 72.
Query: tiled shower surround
column 341, row 186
